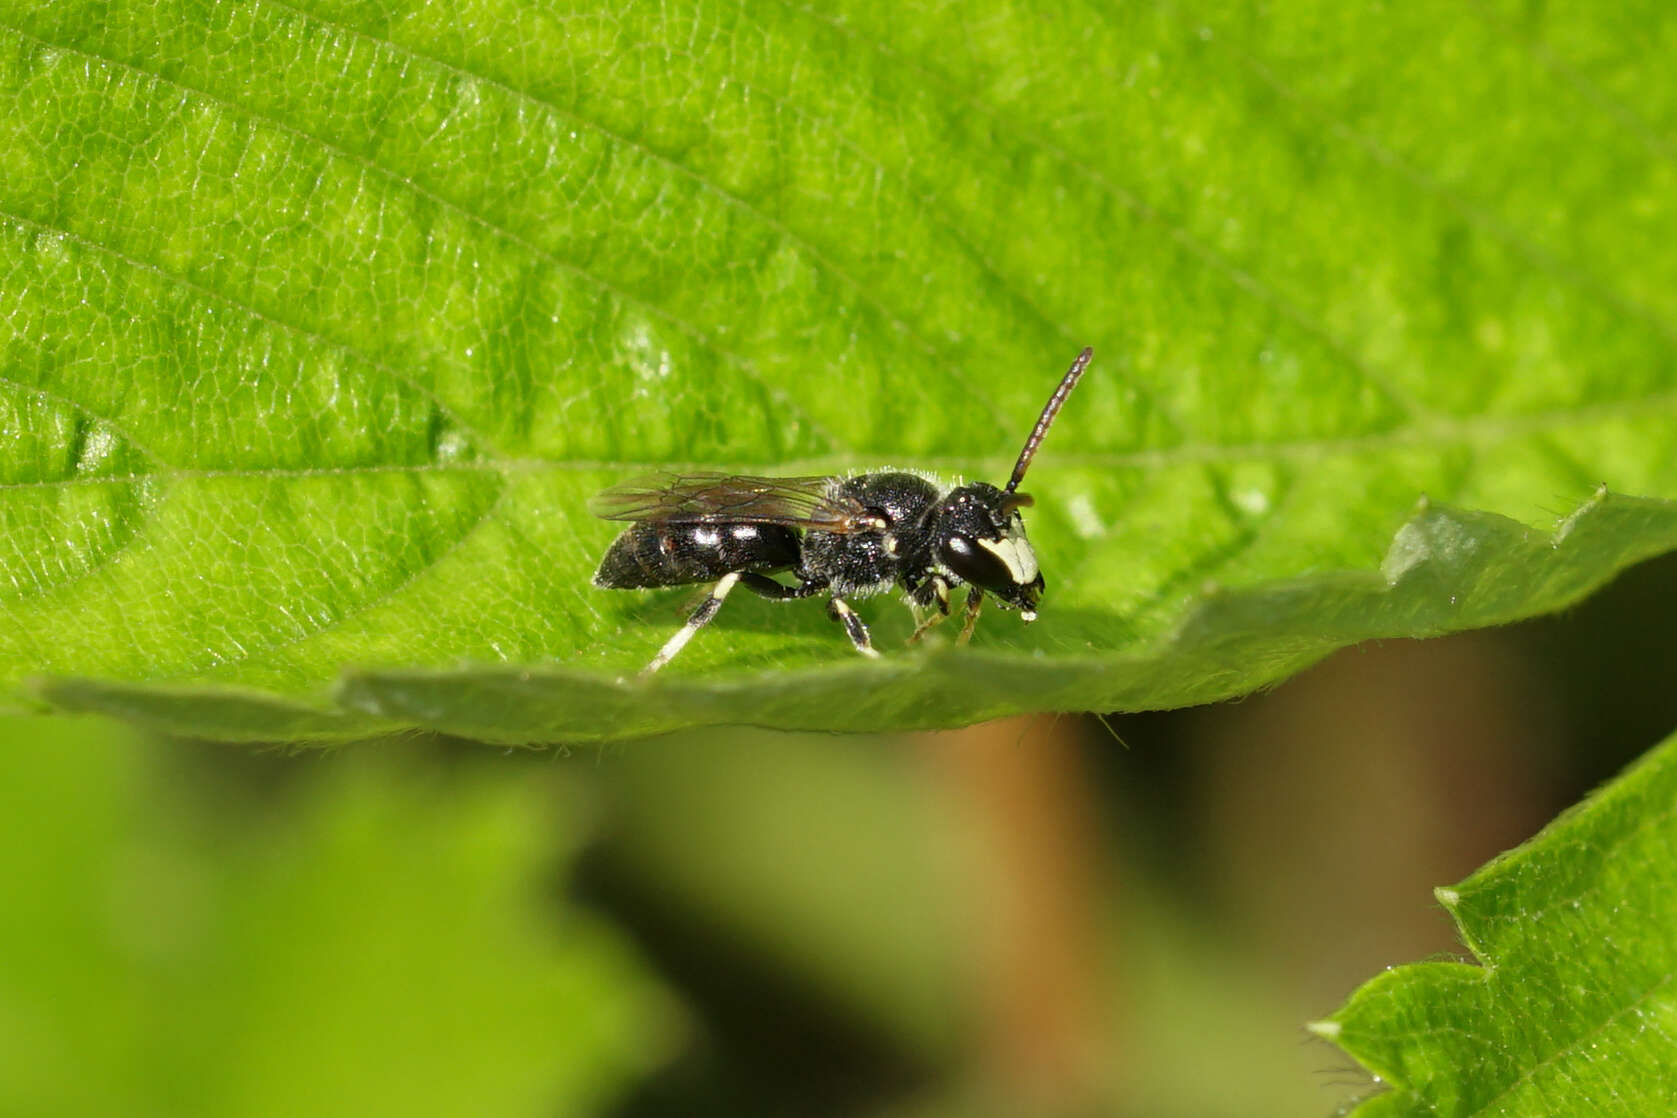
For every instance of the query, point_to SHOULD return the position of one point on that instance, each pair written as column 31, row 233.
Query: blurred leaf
column 383, row 942
column 322, row 321
column 1572, row 1008
column 855, row 895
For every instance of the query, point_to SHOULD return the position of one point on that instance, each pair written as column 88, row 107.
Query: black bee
column 845, row 537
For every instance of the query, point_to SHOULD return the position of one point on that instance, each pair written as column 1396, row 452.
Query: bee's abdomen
column 647, row 555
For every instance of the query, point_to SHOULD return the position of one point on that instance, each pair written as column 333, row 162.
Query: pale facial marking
column 1016, row 555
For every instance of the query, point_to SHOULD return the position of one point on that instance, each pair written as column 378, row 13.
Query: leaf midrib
column 1475, row 431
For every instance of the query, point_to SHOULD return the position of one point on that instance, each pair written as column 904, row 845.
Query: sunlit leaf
column 320, row 322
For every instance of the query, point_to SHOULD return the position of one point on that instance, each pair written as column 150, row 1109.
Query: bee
column 841, row 537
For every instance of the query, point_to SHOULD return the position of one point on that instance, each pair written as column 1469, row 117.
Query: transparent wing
column 670, row 498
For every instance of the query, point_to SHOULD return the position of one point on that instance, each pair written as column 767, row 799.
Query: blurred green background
column 1020, row 918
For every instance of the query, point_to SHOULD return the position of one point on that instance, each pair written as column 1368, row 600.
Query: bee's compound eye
column 976, row 562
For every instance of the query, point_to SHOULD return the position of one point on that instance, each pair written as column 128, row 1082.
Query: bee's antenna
column 1049, row 411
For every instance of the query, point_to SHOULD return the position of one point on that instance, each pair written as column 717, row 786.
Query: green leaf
column 319, row 323
column 1573, row 1008
column 381, row 936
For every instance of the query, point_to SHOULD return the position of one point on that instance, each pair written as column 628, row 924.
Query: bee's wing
column 670, row 498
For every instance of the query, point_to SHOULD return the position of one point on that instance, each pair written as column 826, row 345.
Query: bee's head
column 980, row 539
column 977, row 533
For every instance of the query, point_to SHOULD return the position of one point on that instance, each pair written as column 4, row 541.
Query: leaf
column 382, row 936
column 321, row 322
column 1573, row 1008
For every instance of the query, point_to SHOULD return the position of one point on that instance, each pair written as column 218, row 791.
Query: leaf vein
column 1529, row 1074
column 1575, row 277
column 490, row 510
column 1614, row 110
column 957, row 376
column 929, row 207
column 1243, row 280
column 689, row 328
column 296, row 329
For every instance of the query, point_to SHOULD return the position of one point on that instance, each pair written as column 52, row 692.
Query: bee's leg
column 853, row 627
column 697, row 620
column 938, row 591
column 975, row 598
column 766, row 587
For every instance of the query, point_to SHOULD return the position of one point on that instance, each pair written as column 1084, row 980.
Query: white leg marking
column 853, row 627
column 700, row 618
